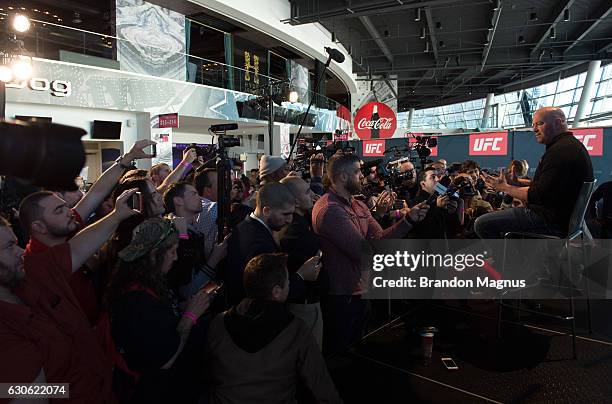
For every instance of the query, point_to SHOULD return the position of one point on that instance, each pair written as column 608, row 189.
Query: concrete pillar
column 410, row 115
column 273, row 147
column 487, row 111
column 587, row 91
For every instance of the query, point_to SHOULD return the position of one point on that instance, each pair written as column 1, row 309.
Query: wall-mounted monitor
column 106, row 130
column 27, row 118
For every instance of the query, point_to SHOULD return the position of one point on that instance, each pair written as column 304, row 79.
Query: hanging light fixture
column 20, row 23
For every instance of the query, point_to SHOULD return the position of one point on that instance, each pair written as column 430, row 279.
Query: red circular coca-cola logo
column 375, row 120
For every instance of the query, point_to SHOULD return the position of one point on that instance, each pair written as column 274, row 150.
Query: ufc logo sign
column 489, row 144
column 592, row 139
column 373, row 148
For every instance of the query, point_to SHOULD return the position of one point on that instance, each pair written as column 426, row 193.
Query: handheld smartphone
column 212, row 288
column 450, row 364
column 319, row 254
column 399, row 204
column 137, row 201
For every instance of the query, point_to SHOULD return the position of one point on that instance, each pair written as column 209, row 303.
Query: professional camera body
column 317, row 145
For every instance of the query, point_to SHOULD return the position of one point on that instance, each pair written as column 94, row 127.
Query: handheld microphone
column 335, row 54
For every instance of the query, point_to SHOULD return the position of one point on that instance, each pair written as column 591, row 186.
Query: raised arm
column 91, row 238
column 189, row 157
column 107, row 181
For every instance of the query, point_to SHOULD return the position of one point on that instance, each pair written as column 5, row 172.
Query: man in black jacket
column 301, row 243
column 443, row 218
column 255, row 236
column 551, row 195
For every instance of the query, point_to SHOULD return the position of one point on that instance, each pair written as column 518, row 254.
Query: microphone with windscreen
column 335, row 54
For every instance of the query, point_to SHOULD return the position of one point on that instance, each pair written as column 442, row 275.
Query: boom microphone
column 335, row 54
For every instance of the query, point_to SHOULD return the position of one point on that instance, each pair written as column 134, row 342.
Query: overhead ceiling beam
column 432, row 33
column 605, row 48
column 467, row 75
column 602, row 15
column 358, row 11
column 369, row 26
column 559, row 12
column 491, row 35
column 543, row 74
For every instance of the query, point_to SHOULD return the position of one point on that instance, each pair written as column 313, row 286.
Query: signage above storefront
column 168, row 121
column 57, row 88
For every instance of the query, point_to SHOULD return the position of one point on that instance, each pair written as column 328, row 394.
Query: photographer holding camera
column 445, row 214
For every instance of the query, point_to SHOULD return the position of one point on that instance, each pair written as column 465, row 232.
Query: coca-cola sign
column 489, row 144
column 375, row 120
column 592, row 139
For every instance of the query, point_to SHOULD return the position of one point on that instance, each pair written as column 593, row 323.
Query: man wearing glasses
column 550, row 197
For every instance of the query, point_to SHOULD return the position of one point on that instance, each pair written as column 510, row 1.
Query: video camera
column 317, row 145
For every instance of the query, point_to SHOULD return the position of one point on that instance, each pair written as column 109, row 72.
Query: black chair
column 577, row 229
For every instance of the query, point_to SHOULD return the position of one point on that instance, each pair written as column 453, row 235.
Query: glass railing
column 52, row 41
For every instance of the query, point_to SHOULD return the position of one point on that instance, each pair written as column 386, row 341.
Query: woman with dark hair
column 161, row 345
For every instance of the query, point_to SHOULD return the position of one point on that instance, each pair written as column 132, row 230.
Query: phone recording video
column 212, row 288
column 136, row 202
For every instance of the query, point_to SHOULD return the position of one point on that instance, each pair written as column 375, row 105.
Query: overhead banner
column 373, row 148
column 489, row 144
column 375, row 120
column 592, row 139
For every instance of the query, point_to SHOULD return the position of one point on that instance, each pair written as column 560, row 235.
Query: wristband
column 398, row 214
column 185, row 164
column 183, row 236
column 190, row 316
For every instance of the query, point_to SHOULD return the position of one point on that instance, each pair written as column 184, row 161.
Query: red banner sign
column 592, row 139
column 489, row 144
column 375, row 120
column 373, row 148
column 341, row 136
column 169, row 121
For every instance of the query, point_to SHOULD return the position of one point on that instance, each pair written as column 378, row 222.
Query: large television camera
column 317, row 145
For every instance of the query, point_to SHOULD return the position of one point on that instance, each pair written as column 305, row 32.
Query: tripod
column 224, row 186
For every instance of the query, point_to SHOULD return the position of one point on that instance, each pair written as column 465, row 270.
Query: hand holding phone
column 137, row 202
column 212, row 288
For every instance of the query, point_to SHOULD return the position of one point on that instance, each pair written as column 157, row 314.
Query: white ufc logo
column 487, row 143
column 585, row 140
column 373, row 148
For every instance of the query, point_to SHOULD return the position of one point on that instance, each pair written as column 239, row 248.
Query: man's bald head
column 548, row 123
column 304, row 197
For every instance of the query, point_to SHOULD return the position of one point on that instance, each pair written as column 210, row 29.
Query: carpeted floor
column 529, row 364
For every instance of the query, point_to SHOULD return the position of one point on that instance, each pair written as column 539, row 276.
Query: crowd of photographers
column 125, row 293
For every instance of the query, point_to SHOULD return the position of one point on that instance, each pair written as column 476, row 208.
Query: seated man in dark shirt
column 551, row 195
